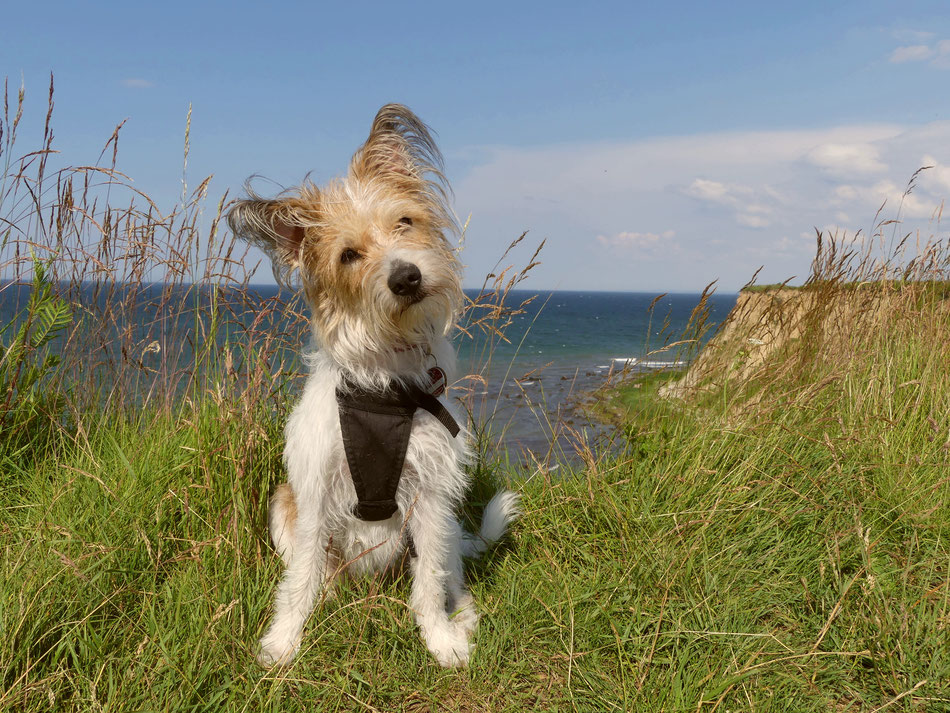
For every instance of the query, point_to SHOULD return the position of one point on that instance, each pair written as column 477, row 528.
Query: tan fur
column 283, row 519
column 395, row 175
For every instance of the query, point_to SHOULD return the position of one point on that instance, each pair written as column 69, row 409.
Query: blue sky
column 656, row 146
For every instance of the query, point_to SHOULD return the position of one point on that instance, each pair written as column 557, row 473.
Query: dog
column 375, row 461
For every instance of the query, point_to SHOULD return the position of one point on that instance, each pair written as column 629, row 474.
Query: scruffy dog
column 374, row 459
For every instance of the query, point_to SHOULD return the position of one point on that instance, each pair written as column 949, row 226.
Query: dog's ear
column 400, row 148
column 277, row 226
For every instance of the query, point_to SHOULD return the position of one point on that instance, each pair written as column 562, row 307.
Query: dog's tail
column 502, row 510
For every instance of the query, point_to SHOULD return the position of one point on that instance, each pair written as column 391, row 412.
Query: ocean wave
column 660, row 364
column 644, row 363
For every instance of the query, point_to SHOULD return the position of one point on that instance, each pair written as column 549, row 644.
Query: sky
column 654, row 146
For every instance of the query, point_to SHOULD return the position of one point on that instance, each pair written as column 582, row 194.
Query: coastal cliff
column 778, row 329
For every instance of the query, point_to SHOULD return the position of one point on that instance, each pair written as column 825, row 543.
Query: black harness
column 376, row 427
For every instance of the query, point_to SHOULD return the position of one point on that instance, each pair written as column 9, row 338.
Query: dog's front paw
column 275, row 651
column 450, row 646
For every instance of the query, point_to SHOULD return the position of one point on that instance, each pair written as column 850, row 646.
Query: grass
column 800, row 565
column 634, row 401
column 778, row 542
column 939, row 287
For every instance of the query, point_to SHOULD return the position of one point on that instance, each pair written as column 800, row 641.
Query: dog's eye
column 405, row 220
column 349, row 255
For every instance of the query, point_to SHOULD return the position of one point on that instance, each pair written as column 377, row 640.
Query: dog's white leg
column 305, row 576
column 436, row 565
column 460, row 605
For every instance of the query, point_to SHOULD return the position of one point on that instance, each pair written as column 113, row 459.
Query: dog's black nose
column 405, row 279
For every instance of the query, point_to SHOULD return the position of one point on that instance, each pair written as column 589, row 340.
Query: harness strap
column 431, row 404
column 376, row 427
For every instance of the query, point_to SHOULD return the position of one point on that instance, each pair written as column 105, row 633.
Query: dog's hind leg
column 305, row 576
column 282, row 520
column 435, row 568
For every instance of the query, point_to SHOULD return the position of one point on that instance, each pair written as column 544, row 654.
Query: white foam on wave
column 645, row 364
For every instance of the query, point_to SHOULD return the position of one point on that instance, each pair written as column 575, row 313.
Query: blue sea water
column 597, row 329
column 557, row 346
column 567, row 345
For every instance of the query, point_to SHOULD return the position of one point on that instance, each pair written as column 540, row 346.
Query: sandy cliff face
column 768, row 324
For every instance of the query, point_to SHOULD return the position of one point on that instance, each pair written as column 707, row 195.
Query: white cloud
column 911, row 53
column 137, row 83
column 711, row 191
column 841, row 232
column 724, row 200
column 844, row 192
column 804, row 245
column 847, row 159
column 936, row 54
column 750, row 205
column 641, row 241
column 752, row 221
column 913, row 36
column 916, row 206
column 920, row 203
column 938, row 175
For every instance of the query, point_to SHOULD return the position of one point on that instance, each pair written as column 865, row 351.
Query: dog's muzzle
column 405, row 280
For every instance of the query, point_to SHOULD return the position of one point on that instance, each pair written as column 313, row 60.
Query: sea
column 564, row 348
column 531, row 364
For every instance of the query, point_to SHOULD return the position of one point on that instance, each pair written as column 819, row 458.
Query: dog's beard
column 419, row 319
column 422, row 321
column 371, row 340
column 377, row 335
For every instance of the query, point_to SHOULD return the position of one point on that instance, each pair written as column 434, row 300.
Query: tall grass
column 792, row 502
column 777, row 539
column 143, row 390
column 153, row 295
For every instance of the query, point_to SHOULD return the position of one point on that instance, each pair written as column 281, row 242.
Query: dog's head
column 370, row 248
